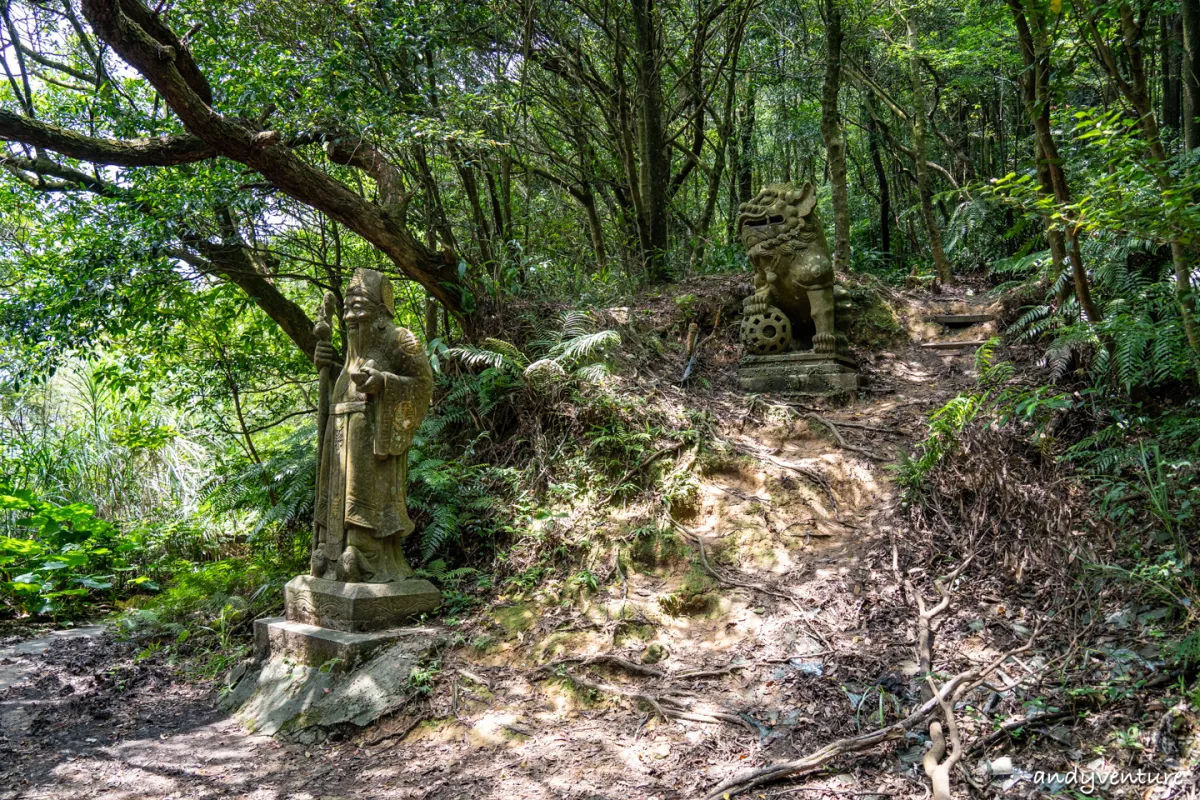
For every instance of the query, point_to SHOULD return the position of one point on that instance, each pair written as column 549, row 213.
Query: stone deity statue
column 374, row 407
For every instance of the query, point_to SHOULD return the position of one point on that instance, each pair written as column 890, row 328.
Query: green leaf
column 22, row 547
column 94, row 582
column 73, row 558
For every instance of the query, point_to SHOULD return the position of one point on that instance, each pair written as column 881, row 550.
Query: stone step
column 962, row 345
column 960, row 320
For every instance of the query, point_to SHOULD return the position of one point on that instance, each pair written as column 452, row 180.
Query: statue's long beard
column 361, row 338
column 358, row 341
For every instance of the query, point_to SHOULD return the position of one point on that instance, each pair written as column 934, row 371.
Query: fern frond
column 584, row 346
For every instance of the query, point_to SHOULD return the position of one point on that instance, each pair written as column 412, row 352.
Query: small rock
column 1001, row 767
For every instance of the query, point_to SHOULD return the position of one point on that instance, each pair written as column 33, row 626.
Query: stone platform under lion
column 800, row 373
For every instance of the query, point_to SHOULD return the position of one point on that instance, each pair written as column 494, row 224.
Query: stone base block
column 293, row 691
column 276, row 637
column 357, row 607
column 800, row 373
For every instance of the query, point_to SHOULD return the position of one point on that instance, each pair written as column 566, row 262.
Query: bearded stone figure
column 375, row 406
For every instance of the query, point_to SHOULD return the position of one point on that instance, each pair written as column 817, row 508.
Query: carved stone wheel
column 767, row 333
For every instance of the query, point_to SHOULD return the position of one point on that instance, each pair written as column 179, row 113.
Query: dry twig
column 951, row 692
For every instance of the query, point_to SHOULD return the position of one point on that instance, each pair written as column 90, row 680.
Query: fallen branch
column 1008, row 727
column 950, row 692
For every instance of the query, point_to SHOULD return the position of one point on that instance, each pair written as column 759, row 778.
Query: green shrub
column 62, row 559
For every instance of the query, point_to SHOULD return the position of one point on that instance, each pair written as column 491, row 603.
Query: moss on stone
column 872, row 323
column 633, row 630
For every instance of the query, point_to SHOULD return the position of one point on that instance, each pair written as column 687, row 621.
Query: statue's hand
column 368, row 381
column 323, row 355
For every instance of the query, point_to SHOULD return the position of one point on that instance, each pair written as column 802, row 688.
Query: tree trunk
column 885, row 196
column 1035, row 51
column 1171, row 51
column 595, row 228
column 482, row 231
column 724, row 141
column 1136, row 91
column 924, row 190
column 745, row 164
column 1190, row 71
column 652, row 141
column 431, row 326
column 831, row 133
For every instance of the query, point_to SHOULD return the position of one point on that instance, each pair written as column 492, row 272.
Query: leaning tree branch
column 146, row 45
column 161, row 151
column 231, row 262
column 69, row 178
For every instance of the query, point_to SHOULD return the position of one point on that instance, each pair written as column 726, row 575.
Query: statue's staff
column 323, row 330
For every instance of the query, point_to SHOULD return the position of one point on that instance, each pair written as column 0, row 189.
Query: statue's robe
column 364, row 463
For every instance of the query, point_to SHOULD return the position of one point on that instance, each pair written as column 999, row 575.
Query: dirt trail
column 820, row 646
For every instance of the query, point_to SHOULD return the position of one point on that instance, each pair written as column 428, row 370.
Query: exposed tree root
column 811, row 474
column 698, row 540
column 936, row 769
column 645, row 462
column 668, row 705
column 403, row 732
column 607, row 660
column 840, row 439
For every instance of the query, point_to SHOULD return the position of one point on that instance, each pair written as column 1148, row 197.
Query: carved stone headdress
column 375, row 286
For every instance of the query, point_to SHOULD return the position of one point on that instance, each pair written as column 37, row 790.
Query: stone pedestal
column 357, row 607
column 800, row 373
column 338, row 651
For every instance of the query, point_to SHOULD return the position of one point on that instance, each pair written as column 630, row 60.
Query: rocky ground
column 674, row 675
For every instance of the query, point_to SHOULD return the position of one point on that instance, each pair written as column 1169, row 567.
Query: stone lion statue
column 793, row 300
